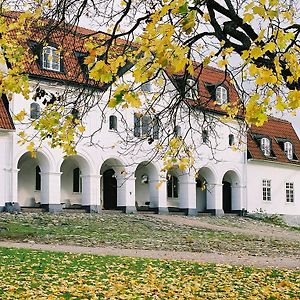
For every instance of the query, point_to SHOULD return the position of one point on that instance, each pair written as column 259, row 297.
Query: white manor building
column 263, row 173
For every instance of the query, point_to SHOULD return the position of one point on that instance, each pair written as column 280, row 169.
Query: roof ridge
column 278, row 119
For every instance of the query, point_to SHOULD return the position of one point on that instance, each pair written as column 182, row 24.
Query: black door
column 109, row 190
column 226, row 197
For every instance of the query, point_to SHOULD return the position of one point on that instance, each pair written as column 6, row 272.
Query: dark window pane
column 37, row 178
column 113, row 123
column 76, row 180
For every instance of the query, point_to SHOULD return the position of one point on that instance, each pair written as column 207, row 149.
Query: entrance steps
column 74, row 210
column 32, row 209
column 204, row 214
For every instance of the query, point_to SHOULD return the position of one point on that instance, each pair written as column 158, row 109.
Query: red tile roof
column 6, row 121
column 275, row 129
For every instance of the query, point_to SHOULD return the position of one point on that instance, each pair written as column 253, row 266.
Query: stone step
column 204, row 214
column 74, row 210
column 32, row 209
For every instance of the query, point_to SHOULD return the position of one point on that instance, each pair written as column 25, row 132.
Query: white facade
column 111, row 175
column 108, row 177
column 279, row 175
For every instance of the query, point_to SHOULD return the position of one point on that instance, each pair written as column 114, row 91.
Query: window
column 231, row 139
column 37, row 178
column 77, row 181
column 221, row 95
column 288, row 150
column 113, row 125
column 289, row 192
column 145, row 126
column 51, row 58
column 265, row 146
column 204, row 136
column 177, row 131
column 191, row 89
column 146, row 87
column 266, row 190
column 35, row 110
column 172, row 186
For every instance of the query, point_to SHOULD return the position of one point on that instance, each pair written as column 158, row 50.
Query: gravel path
column 256, row 261
column 239, row 225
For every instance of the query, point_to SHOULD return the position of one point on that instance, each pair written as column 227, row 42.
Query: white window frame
column 191, row 89
column 221, row 95
column 289, row 192
column 266, row 190
column 265, row 146
column 52, row 64
column 288, row 150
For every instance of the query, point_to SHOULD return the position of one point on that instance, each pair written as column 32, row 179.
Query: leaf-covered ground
column 147, row 232
column 27, row 274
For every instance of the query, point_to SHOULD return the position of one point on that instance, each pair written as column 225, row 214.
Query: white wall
column 279, row 174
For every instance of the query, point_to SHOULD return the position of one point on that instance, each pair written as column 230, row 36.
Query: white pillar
column 13, row 195
column 50, row 191
column 160, row 187
column 129, row 190
column 214, row 196
column 236, row 198
column 91, row 192
column 187, row 194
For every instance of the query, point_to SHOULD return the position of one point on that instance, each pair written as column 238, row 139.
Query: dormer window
column 191, row 89
column 113, row 123
column 265, row 146
column 51, row 58
column 288, row 150
column 35, row 110
column 221, row 95
column 231, row 139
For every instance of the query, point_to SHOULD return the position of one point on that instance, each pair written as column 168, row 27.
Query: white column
column 214, row 196
column 187, row 194
column 51, row 191
column 91, row 192
column 161, row 186
column 236, row 198
column 13, row 195
column 130, row 194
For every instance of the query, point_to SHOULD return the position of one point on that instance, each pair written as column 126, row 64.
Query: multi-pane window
column 204, row 136
column 288, row 150
column 289, row 192
column 172, row 186
column 266, row 190
column 35, row 110
column 265, row 146
column 113, row 123
column 51, row 58
column 146, row 87
column 145, row 126
column 191, row 89
column 177, row 131
column 221, row 95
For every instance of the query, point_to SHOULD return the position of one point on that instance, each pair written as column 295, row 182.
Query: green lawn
column 27, row 274
column 136, row 231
